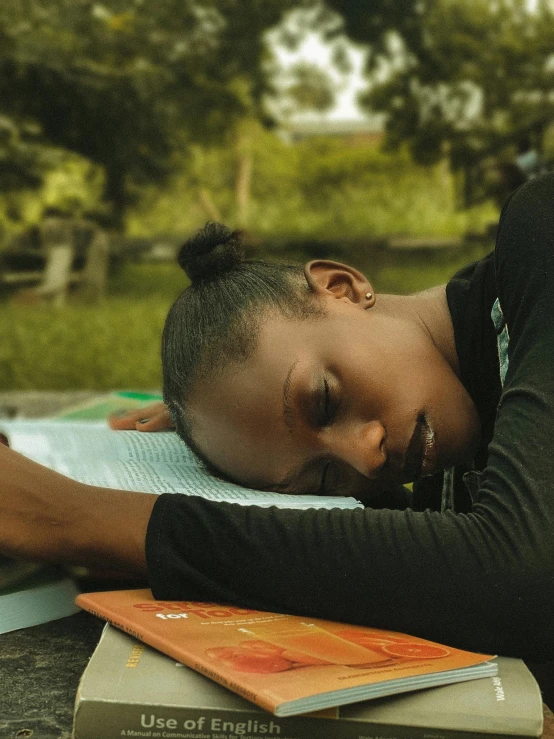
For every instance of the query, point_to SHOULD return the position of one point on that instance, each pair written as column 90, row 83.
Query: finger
column 126, row 420
column 129, row 419
column 158, row 422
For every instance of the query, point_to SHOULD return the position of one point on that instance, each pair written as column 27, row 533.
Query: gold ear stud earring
column 368, row 296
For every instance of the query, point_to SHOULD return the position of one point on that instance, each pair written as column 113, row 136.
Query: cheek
column 357, row 486
column 249, row 450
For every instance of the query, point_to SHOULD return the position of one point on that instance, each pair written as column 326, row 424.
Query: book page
column 160, row 462
column 55, row 442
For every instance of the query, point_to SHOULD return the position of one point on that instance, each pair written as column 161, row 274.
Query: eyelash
column 327, row 415
column 323, row 478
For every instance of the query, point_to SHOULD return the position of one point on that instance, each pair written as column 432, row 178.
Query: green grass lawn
column 116, row 344
column 111, row 345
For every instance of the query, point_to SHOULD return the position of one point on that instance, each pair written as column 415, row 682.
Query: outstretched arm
column 47, row 516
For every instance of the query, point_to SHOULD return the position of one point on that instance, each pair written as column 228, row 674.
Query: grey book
column 30, row 596
column 130, row 690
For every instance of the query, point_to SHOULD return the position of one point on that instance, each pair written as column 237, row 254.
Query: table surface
column 42, row 665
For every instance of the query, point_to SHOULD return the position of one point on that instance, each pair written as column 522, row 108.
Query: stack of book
column 188, row 670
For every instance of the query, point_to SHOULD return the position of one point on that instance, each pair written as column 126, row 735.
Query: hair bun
column 211, row 252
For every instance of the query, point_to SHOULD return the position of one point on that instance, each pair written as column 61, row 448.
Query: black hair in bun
column 210, row 253
column 217, row 321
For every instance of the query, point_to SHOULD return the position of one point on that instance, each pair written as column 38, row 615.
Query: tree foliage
column 128, row 83
column 460, row 77
column 125, row 82
column 321, row 188
column 371, row 23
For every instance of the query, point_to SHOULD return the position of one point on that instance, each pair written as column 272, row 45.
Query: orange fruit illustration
column 415, row 650
column 262, row 647
column 246, row 660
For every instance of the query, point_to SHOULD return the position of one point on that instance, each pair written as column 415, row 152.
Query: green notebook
column 102, row 405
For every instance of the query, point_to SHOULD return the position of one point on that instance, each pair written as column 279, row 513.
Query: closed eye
column 330, row 478
column 322, row 490
column 326, row 410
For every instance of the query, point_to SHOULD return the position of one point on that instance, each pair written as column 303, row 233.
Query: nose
column 362, row 447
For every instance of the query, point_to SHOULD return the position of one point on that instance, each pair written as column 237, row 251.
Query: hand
column 45, row 516
column 154, row 417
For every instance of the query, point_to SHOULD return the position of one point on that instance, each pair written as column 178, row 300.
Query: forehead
column 238, row 416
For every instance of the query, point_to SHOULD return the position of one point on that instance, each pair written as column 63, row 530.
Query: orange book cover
column 286, row 664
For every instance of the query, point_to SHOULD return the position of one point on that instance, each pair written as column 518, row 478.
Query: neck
column 429, row 311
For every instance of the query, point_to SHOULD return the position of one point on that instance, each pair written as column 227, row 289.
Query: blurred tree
column 318, row 189
column 22, row 158
column 308, row 88
column 126, row 83
column 373, row 23
column 465, row 79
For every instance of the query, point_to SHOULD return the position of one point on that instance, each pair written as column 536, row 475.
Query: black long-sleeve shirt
column 479, row 577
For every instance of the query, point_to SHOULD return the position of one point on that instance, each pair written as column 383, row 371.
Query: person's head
column 214, row 323
column 300, row 380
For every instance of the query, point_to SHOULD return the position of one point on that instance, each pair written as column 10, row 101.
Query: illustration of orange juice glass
column 317, row 642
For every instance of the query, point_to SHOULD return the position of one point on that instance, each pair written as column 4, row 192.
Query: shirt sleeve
column 482, row 580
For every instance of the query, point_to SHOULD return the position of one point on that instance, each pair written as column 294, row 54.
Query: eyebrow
column 288, row 411
column 290, row 423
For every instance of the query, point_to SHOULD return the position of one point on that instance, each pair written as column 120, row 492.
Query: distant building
column 354, row 130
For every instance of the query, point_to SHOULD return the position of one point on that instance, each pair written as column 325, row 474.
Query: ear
column 333, row 279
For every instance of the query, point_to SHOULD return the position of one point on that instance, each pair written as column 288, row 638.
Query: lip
column 421, row 453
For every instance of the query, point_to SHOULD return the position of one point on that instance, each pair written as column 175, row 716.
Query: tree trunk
column 115, row 193
column 208, row 204
column 243, row 181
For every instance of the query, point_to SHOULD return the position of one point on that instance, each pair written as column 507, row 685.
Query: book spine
column 109, row 720
column 171, row 649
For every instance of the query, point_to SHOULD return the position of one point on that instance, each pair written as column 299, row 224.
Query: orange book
column 286, row 664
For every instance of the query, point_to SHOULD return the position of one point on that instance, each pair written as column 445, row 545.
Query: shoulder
column 524, row 254
column 526, row 228
column 471, row 293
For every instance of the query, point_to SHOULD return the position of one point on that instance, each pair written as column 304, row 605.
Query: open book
column 160, row 462
column 286, row 664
